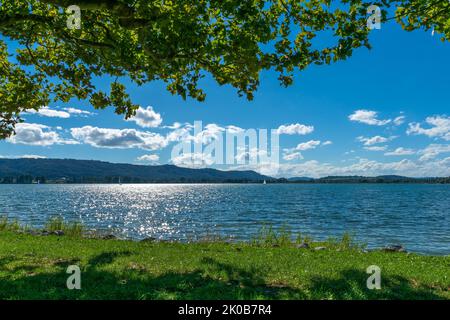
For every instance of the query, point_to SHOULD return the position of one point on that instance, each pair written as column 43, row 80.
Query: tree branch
column 114, row 5
column 9, row 20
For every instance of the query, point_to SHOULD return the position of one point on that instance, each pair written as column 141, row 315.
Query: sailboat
column 120, row 181
column 264, row 182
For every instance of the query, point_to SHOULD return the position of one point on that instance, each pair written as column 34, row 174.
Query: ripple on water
column 417, row 216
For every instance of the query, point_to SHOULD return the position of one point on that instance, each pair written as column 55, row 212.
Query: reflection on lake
column 417, row 216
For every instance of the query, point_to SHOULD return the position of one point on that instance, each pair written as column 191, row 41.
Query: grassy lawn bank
column 34, row 267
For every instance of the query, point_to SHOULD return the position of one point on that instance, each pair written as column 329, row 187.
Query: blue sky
column 383, row 111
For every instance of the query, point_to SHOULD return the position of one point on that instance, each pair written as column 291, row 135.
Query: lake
column 416, row 216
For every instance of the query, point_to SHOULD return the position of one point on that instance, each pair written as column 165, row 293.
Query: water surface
column 416, row 216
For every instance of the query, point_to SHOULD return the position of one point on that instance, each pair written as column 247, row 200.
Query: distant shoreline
column 70, row 171
column 236, row 183
column 242, row 183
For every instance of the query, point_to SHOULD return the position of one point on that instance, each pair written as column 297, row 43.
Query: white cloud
column 179, row 134
column 293, row 153
column 211, row 132
column 119, row 138
column 32, row 156
column 433, row 150
column 376, row 148
column 311, row 144
column 363, row 167
column 368, row 117
column 175, row 125
column 445, row 162
column 234, row 130
column 373, row 140
column 37, row 135
column 193, row 160
column 24, row 156
column 400, row 152
column 440, row 127
column 78, row 111
column 146, row 118
column 204, row 135
column 296, row 128
column 253, row 154
column 293, row 156
column 48, row 112
column 399, row 120
column 149, row 158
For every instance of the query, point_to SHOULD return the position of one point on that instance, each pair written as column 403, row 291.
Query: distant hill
column 294, row 179
column 363, row 179
column 90, row 171
column 380, row 179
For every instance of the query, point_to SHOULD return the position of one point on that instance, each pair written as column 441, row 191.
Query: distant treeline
column 28, row 171
column 379, row 179
column 23, row 179
column 28, row 179
column 91, row 171
column 112, row 180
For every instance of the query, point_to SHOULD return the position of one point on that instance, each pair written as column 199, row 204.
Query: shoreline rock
column 394, row 248
column 149, row 239
column 303, row 245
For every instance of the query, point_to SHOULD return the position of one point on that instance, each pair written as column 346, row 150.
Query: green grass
column 270, row 267
column 74, row 229
column 69, row 228
column 7, row 225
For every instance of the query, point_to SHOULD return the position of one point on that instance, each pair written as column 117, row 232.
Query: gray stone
column 109, row 237
column 149, row 239
column 320, row 248
column 303, row 245
column 394, row 248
